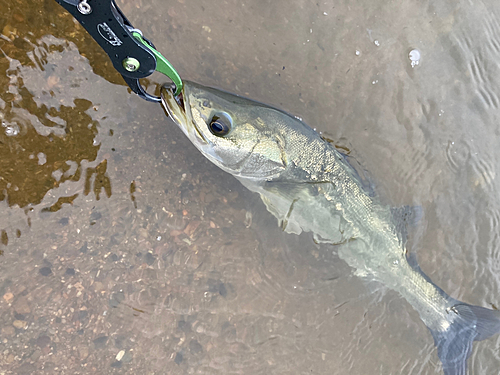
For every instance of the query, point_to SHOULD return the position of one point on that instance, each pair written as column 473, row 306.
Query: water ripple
column 482, row 58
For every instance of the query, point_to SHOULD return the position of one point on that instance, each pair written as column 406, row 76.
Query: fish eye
column 220, row 125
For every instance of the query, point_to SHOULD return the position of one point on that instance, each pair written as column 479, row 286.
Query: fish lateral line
column 291, row 170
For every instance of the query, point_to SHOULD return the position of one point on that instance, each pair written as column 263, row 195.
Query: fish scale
column 309, row 187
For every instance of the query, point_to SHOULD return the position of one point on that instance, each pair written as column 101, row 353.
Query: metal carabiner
column 132, row 55
column 162, row 64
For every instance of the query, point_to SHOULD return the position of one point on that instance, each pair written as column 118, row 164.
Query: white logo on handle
column 108, row 34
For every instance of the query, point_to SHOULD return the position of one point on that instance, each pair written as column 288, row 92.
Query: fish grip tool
column 132, row 55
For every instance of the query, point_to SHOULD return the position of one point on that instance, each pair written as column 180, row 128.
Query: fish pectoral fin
column 284, row 222
column 338, row 240
column 280, row 141
column 282, row 210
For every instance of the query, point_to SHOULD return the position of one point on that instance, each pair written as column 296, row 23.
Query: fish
column 309, row 186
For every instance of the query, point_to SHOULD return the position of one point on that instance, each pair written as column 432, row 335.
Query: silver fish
column 309, row 187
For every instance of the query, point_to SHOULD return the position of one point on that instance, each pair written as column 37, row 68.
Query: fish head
column 238, row 135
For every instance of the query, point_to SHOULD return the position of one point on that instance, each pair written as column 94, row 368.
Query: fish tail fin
column 467, row 324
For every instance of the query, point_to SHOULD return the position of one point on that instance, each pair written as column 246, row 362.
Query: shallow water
column 125, row 251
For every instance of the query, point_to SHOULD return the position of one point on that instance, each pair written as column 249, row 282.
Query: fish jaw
column 181, row 114
column 179, row 110
column 245, row 151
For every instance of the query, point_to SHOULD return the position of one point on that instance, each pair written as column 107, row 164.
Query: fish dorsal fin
column 405, row 217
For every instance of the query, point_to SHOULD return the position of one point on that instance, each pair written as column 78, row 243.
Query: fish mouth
column 174, row 105
column 180, row 113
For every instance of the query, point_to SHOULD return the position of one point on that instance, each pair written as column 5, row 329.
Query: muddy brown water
column 125, row 251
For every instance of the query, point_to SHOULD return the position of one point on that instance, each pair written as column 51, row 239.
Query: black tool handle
column 110, row 28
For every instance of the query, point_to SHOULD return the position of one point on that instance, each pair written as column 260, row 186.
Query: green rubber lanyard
column 163, row 65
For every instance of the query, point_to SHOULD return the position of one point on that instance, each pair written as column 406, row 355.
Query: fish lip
column 176, row 110
column 168, row 99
